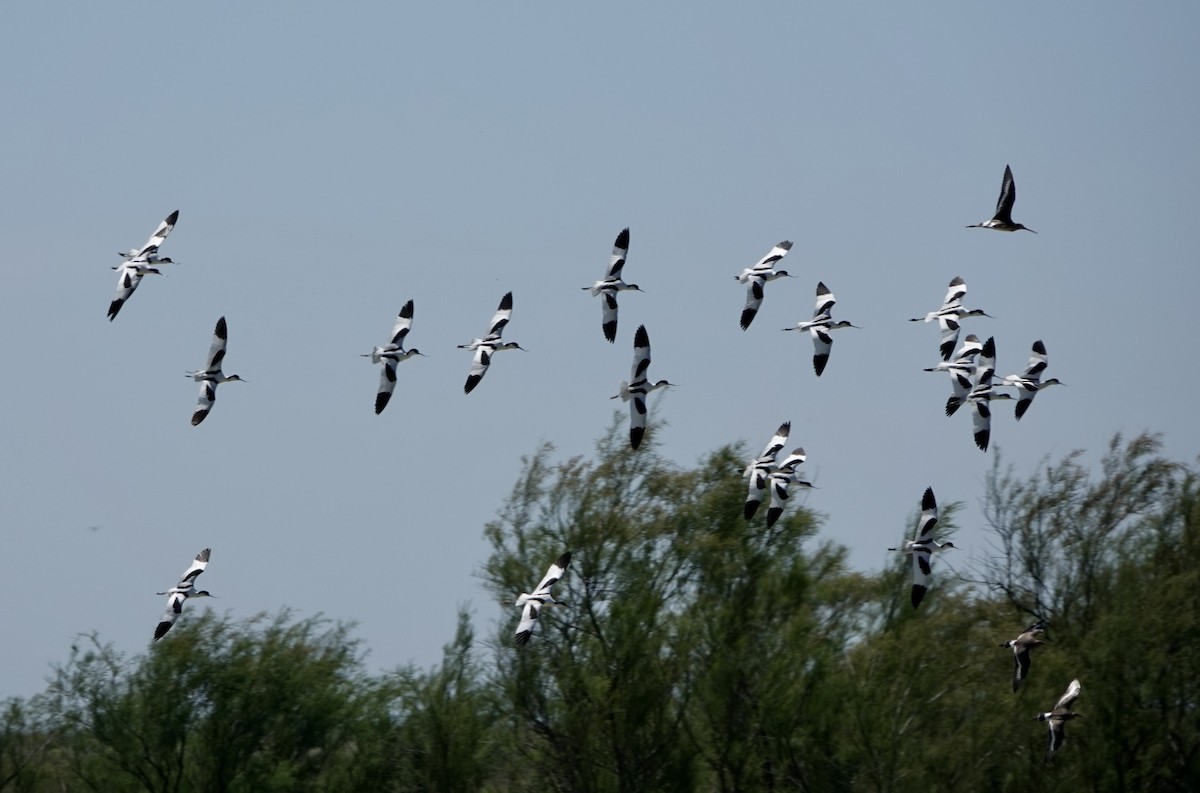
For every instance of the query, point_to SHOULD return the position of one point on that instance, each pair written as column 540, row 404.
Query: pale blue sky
column 331, row 161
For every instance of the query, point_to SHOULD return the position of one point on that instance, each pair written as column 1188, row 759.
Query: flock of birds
column 971, row 367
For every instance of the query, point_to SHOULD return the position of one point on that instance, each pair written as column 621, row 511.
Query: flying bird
column 392, row 354
column 923, row 547
column 1059, row 715
column 1002, row 220
column 950, row 315
column 186, row 588
column 820, row 326
column 1028, row 639
column 531, row 604
column 760, row 468
column 490, row 344
column 129, row 275
column 638, row 387
column 758, row 275
column 211, row 375
column 611, row 285
column 961, row 369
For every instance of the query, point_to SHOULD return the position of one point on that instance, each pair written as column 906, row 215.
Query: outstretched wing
column 822, row 344
column 529, row 616
column 608, row 320
column 502, row 316
column 157, row 238
column 620, row 251
column 825, row 300
column 554, row 573
column 754, row 298
column 920, row 561
column 641, row 355
column 387, row 383
column 128, row 279
column 929, row 516
column 479, row 366
column 208, row 395
column 403, row 323
column 216, row 352
column 773, row 256
column 1008, row 196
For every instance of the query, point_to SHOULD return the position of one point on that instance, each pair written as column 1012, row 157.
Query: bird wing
column 759, row 478
column 216, row 353
column 553, row 573
column 1066, row 700
column 969, row 350
column 981, row 416
column 825, row 300
column 608, row 320
column 529, row 616
column 949, row 325
column 403, row 323
column 776, row 444
column 128, row 279
column 387, row 383
column 157, row 238
column 1008, row 196
column 637, row 415
column 754, row 298
column 479, row 366
column 502, row 315
column 1020, row 665
column 620, row 251
column 174, row 607
column 641, row 355
column 208, row 395
column 773, row 256
column 929, row 517
column 822, row 344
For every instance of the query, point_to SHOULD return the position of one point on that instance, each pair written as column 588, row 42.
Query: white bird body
column 611, row 284
column 531, row 603
column 392, row 354
column 757, row 276
column 490, row 344
column 923, row 546
column 211, row 375
column 185, row 589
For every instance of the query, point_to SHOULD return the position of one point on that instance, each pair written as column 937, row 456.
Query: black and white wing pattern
column 922, row 551
column 479, row 366
column 756, row 277
column 501, row 317
column 1059, row 716
column 1027, row 384
column 981, row 395
column 209, row 377
column 180, row 592
column 781, row 480
column 533, row 603
column 760, row 469
column 638, row 386
column 156, row 239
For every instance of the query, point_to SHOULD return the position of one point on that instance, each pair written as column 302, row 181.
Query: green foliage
column 695, row 651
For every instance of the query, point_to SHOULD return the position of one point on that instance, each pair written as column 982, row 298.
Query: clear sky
column 332, row 161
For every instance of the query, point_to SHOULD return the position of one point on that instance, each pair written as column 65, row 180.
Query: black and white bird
column 490, row 344
column 392, row 354
column 923, row 547
column 1059, row 715
column 638, row 387
column 950, row 315
column 140, row 262
column 780, row 481
column 820, row 326
column 211, row 375
column 760, row 468
column 611, row 285
column 755, row 277
column 186, row 588
column 1028, row 639
column 531, row 604
column 1029, row 382
column 1002, row 220
column 982, row 394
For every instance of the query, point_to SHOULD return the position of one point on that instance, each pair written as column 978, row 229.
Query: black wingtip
column 819, row 362
column 635, row 436
column 199, row 416
column 407, row 311
column 918, row 594
column 222, row 329
column 563, row 560
column 622, row 240
column 981, row 439
column 506, row 302
column 641, row 338
column 610, row 331
column 522, row 638
column 928, row 501
column 773, row 515
column 749, row 509
column 381, row 401
column 472, row 381
column 747, row 318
